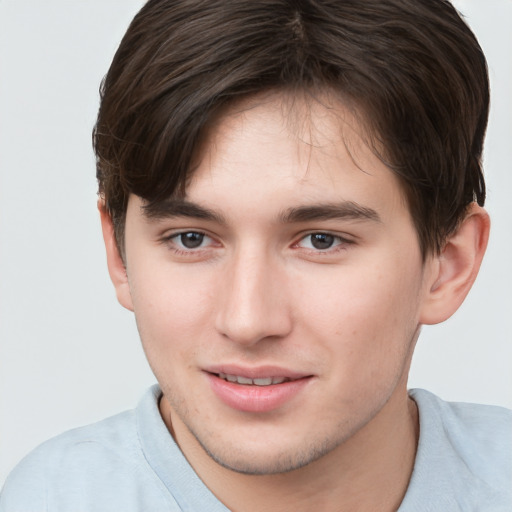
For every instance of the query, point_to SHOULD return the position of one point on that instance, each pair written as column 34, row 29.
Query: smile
column 266, row 381
column 267, row 389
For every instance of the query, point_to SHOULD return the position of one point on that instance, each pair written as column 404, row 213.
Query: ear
column 454, row 271
column 115, row 263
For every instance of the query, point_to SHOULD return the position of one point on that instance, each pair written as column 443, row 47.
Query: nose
column 253, row 305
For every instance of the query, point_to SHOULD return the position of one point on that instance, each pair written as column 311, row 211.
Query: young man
column 288, row 192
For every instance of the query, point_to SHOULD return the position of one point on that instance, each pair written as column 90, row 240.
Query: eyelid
column 343, row 238
column 172, row 233
column 168, row 237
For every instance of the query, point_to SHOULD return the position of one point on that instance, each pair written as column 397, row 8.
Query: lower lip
column 256, row 398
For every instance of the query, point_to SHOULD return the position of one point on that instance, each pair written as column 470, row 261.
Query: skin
column 257, row 292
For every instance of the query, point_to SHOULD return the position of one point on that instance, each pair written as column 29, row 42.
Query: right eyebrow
column 171, row 208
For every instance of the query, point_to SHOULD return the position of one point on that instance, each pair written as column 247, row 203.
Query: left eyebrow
column 343, row 210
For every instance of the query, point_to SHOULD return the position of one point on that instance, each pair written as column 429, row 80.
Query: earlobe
column 456, row 268
column 115, row 263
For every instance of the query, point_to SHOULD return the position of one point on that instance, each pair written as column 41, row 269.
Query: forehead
column 283, row 147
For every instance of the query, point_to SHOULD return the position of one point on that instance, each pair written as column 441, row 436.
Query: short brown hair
column 412, row 67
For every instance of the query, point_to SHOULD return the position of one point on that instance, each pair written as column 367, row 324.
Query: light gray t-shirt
column 130, row 463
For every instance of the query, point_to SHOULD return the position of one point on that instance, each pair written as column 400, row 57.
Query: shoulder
column 478, row 432
column 97, row 467
column 468, row 445
column 68, row 457
column 114, row 434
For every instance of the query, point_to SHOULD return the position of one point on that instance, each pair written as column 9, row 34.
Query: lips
column 262, row 381
column 258, row 390
column 259, row 372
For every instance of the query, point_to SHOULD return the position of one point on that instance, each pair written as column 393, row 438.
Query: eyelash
column 342, row 243
column 169, row 241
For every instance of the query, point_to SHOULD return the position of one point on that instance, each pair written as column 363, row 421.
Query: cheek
column 171, row 307
column 366, row 318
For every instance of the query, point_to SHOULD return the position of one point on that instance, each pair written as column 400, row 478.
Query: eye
column 190, row 240
column 321, row 241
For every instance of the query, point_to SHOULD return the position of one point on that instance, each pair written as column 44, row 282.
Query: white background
column 69, row 354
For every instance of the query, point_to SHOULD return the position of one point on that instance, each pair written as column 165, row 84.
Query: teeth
column 266, row 381
column 263, row 382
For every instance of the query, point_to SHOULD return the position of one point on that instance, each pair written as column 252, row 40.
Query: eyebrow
column 180, row 208
column 171, row 208
column 329, row 211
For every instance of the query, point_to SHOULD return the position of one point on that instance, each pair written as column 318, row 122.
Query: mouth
column 257, row 390
column 246, row 381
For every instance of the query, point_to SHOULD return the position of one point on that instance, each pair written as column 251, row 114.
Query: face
column 279, row 302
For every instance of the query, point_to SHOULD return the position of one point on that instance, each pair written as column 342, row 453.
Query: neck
column 368, row 472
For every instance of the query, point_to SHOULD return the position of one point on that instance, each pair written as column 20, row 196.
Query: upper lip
column 257, row 372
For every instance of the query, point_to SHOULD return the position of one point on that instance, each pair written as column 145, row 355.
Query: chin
column 270, row 460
